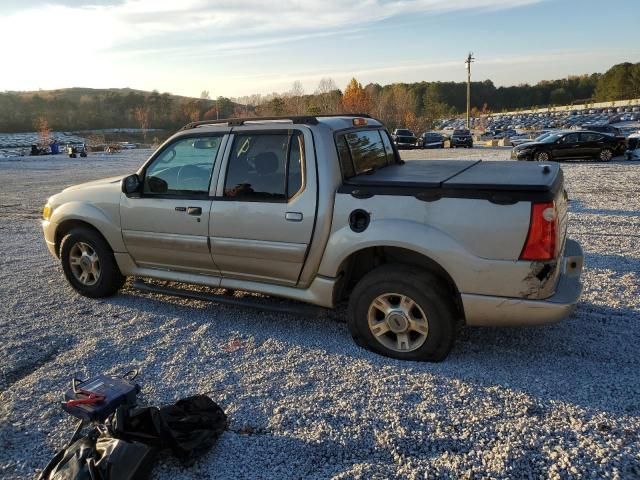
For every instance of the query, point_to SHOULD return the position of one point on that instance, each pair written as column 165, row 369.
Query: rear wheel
column 89, row 265
column 542, row 156
column 605, row 155
column 403, row 312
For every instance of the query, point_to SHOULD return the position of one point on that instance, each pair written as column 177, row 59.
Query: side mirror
column 131, row 184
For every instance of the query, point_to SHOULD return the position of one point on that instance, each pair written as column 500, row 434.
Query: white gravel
column 561, row 401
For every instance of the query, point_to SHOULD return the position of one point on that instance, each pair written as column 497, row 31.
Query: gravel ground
column 561, row 401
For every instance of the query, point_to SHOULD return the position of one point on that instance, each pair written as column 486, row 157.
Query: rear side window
column 590, row 137
column 265, row 167
column 364, row 150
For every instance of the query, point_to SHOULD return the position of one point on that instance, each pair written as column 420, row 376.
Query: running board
column 296, row 309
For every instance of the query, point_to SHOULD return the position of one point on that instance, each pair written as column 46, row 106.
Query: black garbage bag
column 188, row 428
column 99, row 456
column 126, row 447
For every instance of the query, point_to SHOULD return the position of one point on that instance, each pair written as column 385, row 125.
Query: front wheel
column 542, row 156
column 89, row 265
column 403, row 312
column 605, row 155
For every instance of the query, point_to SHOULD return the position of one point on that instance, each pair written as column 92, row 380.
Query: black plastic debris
column 127, row 445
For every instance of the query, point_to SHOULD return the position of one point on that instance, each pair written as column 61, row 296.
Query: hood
column 95, row 183
column 522, row 146
column 105, row 191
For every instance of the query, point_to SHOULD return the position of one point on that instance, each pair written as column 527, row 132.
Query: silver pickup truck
column 322, row 209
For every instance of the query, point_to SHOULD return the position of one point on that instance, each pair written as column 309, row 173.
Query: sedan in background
column 404, row 138
column 430, row 140
column 461, row 138
column 560, row 146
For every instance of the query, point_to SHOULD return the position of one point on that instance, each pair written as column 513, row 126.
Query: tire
column 432, row 307
column 605, row 155
column 101, row 278
column 542, row 157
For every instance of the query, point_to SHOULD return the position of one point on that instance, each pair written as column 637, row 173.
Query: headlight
column 46, row 212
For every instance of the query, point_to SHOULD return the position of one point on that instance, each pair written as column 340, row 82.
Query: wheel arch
column 67, row 225
column 357, row 264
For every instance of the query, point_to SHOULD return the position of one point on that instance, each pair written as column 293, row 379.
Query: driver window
column 183, row 168
column 571, row 138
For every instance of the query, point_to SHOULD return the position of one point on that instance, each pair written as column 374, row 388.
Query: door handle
column 293, row 216
column 194, row 211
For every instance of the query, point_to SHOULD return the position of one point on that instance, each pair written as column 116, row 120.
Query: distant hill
column 80, row 108
column 417, row 105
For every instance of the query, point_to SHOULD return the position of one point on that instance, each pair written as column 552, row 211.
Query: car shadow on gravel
column 589, row 359
column 578, row 206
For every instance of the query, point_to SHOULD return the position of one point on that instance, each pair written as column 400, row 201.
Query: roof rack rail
column 305, row 119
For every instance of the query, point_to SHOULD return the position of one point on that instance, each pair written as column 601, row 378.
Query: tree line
column 414, row 105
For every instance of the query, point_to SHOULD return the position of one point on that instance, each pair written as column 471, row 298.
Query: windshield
column 541, row 137
column 461, row 132
column 551, row 138
column 406, row 133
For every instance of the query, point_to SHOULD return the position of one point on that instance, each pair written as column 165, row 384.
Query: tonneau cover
column 497, row 181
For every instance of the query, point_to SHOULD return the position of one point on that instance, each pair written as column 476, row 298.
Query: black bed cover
column 496, row 181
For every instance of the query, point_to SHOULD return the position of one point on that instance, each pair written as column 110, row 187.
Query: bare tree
column 327, row 96
column 142, row 117
column 295, row 103
column 44, row 131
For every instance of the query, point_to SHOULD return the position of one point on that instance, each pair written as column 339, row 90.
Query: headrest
column 266, row 163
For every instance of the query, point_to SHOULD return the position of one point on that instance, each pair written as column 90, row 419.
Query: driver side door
column 166, row 225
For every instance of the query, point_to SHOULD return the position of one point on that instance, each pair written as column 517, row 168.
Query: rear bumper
column 483, row 310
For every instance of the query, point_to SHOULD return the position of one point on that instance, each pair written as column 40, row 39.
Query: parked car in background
column 461, row 138
column 581, row 144
column 404, row 138
column 609, row 130
column 430, row 140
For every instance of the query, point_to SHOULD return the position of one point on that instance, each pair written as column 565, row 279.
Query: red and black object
column 95, row 399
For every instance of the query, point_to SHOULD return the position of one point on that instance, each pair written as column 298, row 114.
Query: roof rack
column 305, row 119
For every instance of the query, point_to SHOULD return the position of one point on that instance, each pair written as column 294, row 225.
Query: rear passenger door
column 263, row 214
column 592, row 143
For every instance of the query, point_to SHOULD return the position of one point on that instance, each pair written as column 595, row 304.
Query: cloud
column 99, row 25
column 100, row 36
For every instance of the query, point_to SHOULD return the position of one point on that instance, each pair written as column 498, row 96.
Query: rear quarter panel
column 476, row 242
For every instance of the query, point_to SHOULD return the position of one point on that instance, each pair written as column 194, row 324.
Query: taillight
column 542, row 237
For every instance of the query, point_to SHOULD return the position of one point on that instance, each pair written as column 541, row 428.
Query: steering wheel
column 190, row 176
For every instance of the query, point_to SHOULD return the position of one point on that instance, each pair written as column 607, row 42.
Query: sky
column 241, row 47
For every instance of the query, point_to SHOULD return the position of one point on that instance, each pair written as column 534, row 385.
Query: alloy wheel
column 606, row 155
column 397, row 322
column 84, row 263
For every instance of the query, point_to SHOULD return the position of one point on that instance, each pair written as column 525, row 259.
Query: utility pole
column 470, row 59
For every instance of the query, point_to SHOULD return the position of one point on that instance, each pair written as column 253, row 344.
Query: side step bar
column 296, row 308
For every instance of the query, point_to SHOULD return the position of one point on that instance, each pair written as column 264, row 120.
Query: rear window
column 364, row 150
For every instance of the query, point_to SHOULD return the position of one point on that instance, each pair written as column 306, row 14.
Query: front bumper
column 49, row 231
column 483, row 310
